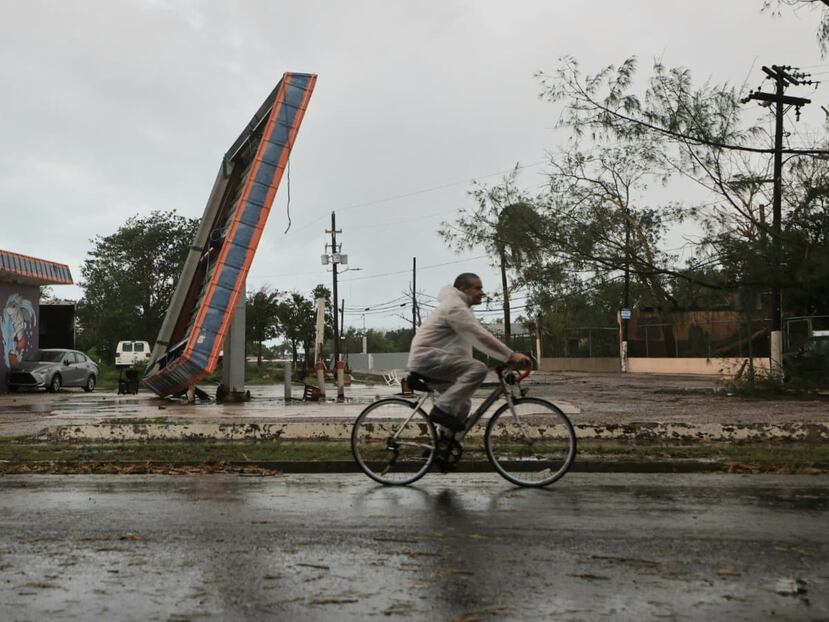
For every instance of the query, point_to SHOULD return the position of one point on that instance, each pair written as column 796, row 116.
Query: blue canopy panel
column 250, row 176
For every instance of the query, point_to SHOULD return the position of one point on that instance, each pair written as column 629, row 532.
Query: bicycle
column 528, row 440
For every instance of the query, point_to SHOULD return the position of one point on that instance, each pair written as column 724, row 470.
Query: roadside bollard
column 321, row 377
column 287, row 380
column 340, row 381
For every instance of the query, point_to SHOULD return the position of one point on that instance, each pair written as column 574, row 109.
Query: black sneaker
column 446, row 420
column 442, row 448
column 440, row 464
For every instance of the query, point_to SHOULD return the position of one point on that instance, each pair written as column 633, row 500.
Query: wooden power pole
column 782, row 76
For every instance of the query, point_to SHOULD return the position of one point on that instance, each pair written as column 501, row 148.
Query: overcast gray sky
column 116, row 108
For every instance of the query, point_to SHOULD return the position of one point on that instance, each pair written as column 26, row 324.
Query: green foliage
column 261, row 318
column 623, row 138
column 129, row 278
column 290, row 315
column 321, row 291
column 504, row 222
column 297, row 319
column 397, row 340
column 264, row 373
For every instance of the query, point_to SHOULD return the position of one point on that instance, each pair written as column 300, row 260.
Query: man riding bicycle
column 442, row 351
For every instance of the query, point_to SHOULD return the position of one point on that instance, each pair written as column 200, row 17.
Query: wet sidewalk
column 601, row 406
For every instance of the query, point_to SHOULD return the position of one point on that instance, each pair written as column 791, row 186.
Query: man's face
column 475, row 291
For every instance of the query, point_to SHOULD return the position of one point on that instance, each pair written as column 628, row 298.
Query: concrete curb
column 340, row 430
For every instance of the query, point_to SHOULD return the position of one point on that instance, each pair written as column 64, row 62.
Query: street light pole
column 365, row 337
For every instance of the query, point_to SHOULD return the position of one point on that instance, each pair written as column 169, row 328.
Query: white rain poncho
column 452, row 328
column 442, row 350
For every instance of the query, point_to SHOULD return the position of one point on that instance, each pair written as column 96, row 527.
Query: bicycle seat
column 418, row 382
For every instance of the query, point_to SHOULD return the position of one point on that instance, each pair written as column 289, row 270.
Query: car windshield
column 46, row 356
column 816, row 345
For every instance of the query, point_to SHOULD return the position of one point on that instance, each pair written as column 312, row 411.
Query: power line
column 402, row 222
column 424, row 191
column 377, row 304
column 437, row 265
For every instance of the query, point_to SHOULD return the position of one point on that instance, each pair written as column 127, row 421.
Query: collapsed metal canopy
column 213, row 278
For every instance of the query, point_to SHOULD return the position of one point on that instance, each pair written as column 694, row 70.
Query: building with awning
column 21, row 277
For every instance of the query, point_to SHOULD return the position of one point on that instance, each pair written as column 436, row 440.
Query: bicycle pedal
column 455, row 454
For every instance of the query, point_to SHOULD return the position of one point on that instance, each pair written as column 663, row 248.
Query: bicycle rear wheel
column 393, row 443
column 534, row 445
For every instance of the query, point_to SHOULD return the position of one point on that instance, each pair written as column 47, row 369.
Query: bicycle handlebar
column 526, row 369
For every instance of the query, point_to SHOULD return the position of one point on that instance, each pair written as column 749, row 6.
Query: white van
column 128, row 353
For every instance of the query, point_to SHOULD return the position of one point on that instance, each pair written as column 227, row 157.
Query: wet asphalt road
column 461, row 547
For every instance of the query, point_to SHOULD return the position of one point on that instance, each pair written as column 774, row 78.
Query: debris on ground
column 788, row 586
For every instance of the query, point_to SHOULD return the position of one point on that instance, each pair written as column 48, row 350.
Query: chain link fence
column 582, row 342
column 700, row 339
column 693, row 335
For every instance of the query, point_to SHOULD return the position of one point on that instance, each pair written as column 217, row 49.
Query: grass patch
column 269, row 373
column 793, row 454
column 107, row 377
column 15, row 451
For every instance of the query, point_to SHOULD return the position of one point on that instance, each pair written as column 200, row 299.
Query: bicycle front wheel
column 531, row 444
column 392, row 442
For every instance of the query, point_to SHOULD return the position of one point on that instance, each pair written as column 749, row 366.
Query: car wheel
column 55, row 384
column 90, row 384
column 13, row 389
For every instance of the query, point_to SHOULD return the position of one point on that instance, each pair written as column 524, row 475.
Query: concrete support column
column 776, row 360
column 233, row 363
column 340, row 381
column 623, row 356
column 321, row 377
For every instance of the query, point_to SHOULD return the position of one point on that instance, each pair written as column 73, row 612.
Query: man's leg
column 465, row 375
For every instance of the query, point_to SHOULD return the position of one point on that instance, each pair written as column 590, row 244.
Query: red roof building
column 21, row 278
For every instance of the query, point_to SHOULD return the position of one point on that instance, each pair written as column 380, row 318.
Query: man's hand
column 520, row 360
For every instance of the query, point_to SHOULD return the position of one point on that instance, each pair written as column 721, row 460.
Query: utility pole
column 783, row 76
column 505, row 289
column 336, row 258
column 626, row 303
column 342, row 317
column 414, row 296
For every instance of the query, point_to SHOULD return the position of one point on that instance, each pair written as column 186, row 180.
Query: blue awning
column 32, row 271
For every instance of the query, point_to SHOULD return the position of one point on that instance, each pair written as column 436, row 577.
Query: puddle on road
column 67, row 404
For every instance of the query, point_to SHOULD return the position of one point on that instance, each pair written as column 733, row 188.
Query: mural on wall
column 18, row 328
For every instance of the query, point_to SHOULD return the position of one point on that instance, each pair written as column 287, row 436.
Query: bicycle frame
column 499, row 390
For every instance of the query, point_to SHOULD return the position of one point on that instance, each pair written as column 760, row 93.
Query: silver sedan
column 53, row 369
